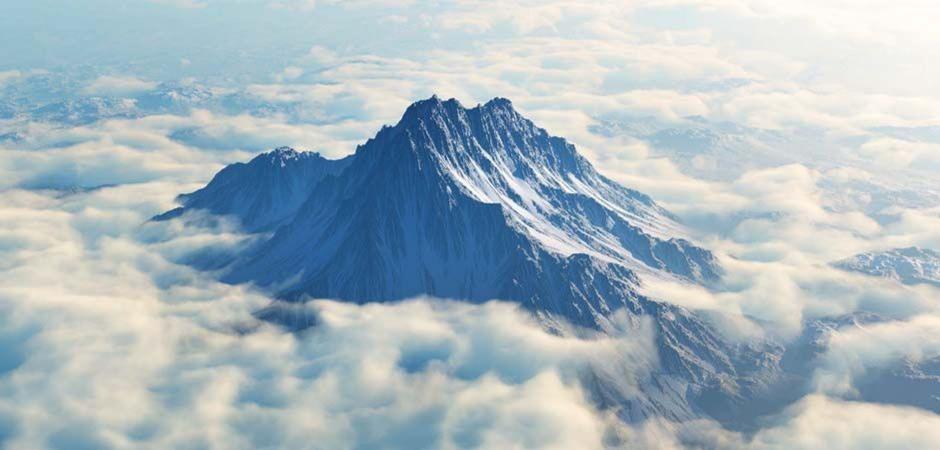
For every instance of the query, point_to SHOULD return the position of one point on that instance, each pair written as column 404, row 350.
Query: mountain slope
column 262, row 193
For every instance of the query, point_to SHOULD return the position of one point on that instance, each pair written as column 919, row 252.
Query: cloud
column 776, row 235
column 289, row 73
column 107, row 85
column 184, row 4
column 813, row 422
column 901, row 154
column 818, row 422
column 295, row 5
column 321, row 54
column 851, row 351
column 9, row 75
column 186, row 148
column 106, row 153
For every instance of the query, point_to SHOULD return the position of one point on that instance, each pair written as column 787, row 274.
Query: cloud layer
column 130, row 349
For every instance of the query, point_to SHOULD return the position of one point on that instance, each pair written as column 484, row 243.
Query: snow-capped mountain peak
column 910, row 265
column 442, row 160
column 494, row 155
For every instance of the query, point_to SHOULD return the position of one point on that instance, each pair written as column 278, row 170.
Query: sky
column 829, row 114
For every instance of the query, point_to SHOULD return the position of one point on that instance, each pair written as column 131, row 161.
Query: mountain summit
column 476, row 204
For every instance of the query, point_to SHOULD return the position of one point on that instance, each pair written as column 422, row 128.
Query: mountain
column 477, row 204
column 31, row 100
column 85, row 110
column 460, row 203
column 174, row 98
column 910, row 265
column 262, row 193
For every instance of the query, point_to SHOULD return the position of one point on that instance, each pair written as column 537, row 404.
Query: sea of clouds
column 109, row 343
column 110, row 340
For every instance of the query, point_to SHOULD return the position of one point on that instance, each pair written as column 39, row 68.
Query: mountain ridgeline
column 477, row 204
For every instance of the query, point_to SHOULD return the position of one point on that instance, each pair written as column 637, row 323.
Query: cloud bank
column 131, row 349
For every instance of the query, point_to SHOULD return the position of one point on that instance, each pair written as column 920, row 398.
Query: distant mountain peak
column 910, row 265
column 283, row 151
column 466, row 141
column 499, row 102
column 282, row 155
column 427, row 109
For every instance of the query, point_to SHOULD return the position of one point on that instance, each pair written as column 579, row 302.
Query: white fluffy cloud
column 108, row 85
column 852, row 351
column 821, row 422
column 8, row 75
column 185, row 4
